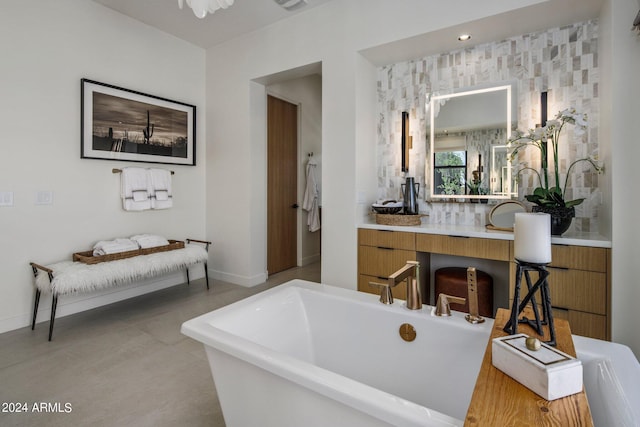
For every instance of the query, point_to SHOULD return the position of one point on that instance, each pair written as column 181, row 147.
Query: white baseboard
column 310, row 260
column 77, row 303
column 246, row 281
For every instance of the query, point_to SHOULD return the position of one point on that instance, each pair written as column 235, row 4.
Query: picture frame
column 123, row 124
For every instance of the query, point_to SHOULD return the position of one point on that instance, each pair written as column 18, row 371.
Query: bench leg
column 206, row 274
column 187, row 270
column 54, row 305
column 35, row 308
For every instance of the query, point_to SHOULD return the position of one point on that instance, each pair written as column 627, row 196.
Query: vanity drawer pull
column 385, row 248
column 458, row 237
column 557, row 268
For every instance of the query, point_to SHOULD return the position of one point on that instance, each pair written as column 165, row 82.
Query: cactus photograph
column 121, row 124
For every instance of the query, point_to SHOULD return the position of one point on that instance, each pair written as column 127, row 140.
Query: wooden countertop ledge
column 499, row 400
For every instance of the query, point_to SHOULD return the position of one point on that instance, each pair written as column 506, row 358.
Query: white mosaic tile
column 562, row 61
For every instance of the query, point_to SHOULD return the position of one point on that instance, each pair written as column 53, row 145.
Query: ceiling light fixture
column 201, row 7
column 464, row 37
column 291, row 5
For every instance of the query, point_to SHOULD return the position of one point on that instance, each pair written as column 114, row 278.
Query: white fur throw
column 70, row 277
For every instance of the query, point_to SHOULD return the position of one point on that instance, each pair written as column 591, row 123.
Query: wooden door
column 282, row 184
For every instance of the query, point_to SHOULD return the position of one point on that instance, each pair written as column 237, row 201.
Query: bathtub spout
column 411, row 273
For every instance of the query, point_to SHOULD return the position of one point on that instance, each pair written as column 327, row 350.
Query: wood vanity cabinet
column 579, row 279
column 380, row 253
column 579, row 283
column 472, row 247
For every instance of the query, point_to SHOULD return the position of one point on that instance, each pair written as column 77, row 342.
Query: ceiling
column 538, row 17
column 244, row 16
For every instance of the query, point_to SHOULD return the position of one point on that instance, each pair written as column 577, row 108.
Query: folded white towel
column 162, row 204
column 132, row 205
column 149, row 240
column 161, row 192
column 105, row 247
column 160, row 179
column 135, row 189
column 162, row 195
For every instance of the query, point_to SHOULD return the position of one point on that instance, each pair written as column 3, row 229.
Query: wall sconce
column 407, row 142
column 543, row 109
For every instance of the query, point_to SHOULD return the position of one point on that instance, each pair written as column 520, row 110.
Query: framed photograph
column 122, row 124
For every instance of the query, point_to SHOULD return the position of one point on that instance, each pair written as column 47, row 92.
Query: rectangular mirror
column 468, row 149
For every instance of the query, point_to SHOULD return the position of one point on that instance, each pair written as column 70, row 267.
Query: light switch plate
column 44, row 198
column 6, row 198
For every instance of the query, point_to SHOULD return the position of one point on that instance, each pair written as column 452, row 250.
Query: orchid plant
column 547, row 138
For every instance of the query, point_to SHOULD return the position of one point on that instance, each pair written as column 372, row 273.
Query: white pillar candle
column 532, row 237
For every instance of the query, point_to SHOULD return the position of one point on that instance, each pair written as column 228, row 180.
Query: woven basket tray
column 88, row 258
column 385, row 219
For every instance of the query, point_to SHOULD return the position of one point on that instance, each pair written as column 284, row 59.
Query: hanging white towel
column 161, row 194
column 135, row 189
column 310, row 202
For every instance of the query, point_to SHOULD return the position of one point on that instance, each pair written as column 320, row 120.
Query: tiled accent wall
column 562, row 61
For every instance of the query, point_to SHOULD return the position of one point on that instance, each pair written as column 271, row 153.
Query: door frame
column 299, row 158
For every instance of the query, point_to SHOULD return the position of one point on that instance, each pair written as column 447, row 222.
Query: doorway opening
column 301, row 88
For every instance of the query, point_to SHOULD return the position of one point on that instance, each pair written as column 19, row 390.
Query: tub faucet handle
column 386, row 297
column 442, row 306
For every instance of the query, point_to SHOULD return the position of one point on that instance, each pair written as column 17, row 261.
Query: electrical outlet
column 6, row 198
column 44, row 198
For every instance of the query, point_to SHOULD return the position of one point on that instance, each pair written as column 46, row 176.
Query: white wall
column 306, row 92
column 621, row 109
column 235, row 149
column 234, row 172
column 46, row 48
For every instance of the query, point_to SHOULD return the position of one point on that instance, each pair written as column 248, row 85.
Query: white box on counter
column 548, row 372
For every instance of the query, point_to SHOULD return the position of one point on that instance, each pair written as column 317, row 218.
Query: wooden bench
column 69, row 277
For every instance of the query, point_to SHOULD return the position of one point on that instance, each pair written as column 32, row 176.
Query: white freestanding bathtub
column 305, row 354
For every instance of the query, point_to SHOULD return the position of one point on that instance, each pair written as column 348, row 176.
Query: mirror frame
column 436, row 99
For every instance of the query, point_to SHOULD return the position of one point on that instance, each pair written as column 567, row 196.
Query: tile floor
column 125, row 364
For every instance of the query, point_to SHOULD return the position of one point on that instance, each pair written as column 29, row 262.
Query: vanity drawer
column 579, row 257
column 570, row 289
column 387, row 239
column 463, row 246
column 584, row 324
column 381, row 262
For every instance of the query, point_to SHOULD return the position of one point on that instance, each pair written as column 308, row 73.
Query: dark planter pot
column 561, row 217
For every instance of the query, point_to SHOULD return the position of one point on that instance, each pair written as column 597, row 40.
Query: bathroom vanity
column 580, row 279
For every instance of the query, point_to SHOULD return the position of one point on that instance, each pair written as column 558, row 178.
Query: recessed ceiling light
column 464, row 37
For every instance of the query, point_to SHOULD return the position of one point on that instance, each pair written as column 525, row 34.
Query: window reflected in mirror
column 450, row 171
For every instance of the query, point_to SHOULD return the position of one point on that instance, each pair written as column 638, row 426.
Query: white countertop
column 569, row 238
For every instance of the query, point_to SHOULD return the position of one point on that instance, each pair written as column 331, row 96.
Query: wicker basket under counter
column 87, row 257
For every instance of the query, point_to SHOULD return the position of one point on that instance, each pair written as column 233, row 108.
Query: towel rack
column 115, row 170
